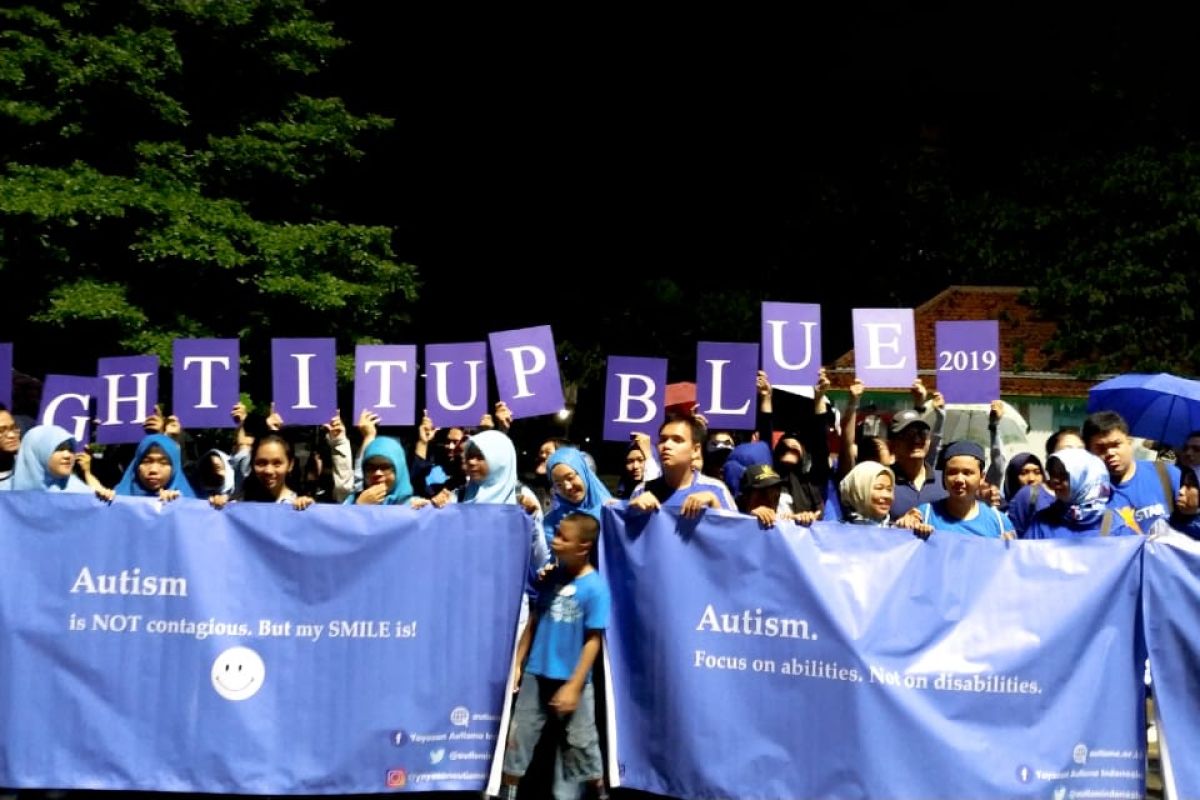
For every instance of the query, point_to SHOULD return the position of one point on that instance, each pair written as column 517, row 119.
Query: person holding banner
column 272, row 465
column 385, row 475
column 867, row 494
column 1034, row 496
column 490, row 465
column 10, row 443
column 961, row 511
column 46, row 461
column 577, row 489
column 155, row 471
column 1082, row 490
column 681, row 485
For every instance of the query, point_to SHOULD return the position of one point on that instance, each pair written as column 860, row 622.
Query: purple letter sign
column 304, row 380
column 205, row 382
column 526, row 368
column 791, row 344
column 634, row 397
column 6, row 375
column 67, row 403
column 726, row 384
column 385, row 382
column 968, row 361
column 885, row 347
column 129, row 390
column 456, row 372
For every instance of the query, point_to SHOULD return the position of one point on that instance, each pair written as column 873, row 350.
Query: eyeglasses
column 9, row 430
column 378, row 468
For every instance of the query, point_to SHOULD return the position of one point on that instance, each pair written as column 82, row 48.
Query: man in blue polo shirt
column 1143, row 491
column 916, row 481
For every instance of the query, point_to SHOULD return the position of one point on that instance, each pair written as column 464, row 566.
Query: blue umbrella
column 1162, row 407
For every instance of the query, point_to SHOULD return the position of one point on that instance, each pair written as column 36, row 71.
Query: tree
column 1107, row 243
column 170, row 173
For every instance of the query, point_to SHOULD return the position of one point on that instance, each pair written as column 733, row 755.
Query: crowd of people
column 861, row 471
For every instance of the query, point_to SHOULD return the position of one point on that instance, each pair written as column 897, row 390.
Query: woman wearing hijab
column 800, row 485
column 215, row 474
column 45, row 462
column 385, row 475
column 490, row 465
column 1081, row 487
column 155, row 471
column 1025, row 469
column 867, row 492
column 576, row 489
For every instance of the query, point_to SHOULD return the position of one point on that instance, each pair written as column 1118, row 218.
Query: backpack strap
column 1164, row 478
column 1106, row 523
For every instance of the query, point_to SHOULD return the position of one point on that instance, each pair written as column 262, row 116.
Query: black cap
column 760, row 476
column 906, row 418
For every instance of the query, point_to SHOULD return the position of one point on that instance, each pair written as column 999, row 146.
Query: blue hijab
column 30, row 472
column 1090, row 486
column 388, row 448
column 130, row 486
column 500, row 485
column 595, row 496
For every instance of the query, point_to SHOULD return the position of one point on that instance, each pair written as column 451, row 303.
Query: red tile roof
column 1024, row 368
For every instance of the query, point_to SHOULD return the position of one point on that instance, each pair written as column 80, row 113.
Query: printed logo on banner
column 397, row 778
column 399, row 738
column 461, row 716
column 436, row 756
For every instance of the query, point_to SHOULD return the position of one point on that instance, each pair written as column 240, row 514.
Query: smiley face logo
column 238, row 673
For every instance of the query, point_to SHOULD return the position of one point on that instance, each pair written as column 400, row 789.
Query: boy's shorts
column 578, row 743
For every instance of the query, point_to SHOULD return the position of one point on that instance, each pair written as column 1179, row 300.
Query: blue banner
column 1171, row 597
column 848, row 661
column 256, row 649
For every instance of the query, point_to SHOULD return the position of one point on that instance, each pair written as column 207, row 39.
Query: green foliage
column 1107, row 243
column 167, row 173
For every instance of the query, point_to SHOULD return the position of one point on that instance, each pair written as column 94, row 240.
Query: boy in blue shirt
column 561, row 641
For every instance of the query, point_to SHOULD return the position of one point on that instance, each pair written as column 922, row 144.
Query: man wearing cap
column 916, row 482
column 961, row 510
column 759, row 493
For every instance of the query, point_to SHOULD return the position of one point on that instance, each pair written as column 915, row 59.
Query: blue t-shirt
column 1146, row 498
column 566, row 612
column 989, row 522
column 673, row 498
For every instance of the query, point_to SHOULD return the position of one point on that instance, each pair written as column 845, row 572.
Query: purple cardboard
column 885, row 347
column 727, row 384
column 385, row 382
column 205, row 382
column 635, row 392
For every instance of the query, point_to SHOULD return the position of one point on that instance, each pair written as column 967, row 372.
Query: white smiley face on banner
column 238, row 673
